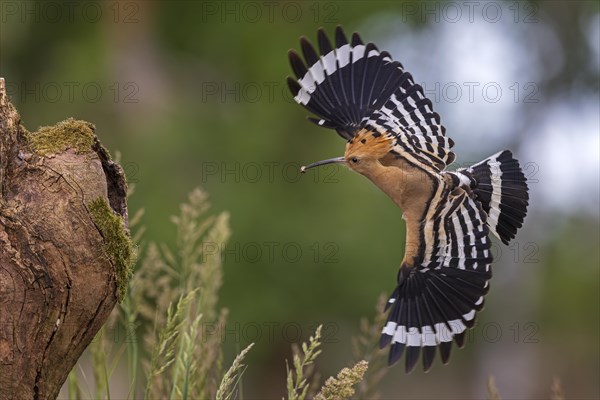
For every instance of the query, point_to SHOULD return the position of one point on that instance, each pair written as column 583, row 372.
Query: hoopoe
column 396, row 140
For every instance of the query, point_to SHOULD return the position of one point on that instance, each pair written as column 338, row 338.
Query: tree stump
column 65, row 251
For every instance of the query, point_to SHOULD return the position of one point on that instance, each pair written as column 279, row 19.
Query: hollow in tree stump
column 65, row 251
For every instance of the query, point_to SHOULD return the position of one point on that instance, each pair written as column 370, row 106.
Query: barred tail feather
column 501, row 187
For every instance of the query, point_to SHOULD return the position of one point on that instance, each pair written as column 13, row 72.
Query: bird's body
column 408, row 186
column 397, row 142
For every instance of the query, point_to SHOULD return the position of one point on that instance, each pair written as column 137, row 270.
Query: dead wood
column 65, row 252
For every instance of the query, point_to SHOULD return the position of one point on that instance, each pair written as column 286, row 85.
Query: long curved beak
column 337, row 160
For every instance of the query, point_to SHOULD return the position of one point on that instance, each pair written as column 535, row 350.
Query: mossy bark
column 57, row 282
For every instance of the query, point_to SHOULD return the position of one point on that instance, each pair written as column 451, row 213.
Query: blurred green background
column 193, row 94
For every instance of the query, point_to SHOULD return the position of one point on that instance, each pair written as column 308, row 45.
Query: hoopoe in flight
column 396, row 140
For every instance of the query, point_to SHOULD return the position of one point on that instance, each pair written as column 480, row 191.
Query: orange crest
column 369, row 144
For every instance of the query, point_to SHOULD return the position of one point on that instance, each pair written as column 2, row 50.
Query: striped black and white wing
column 437, row 297
column 353, row 85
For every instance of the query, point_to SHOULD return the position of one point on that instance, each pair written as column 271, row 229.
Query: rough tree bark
column 65, row 252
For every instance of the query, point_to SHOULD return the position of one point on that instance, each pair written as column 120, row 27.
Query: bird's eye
column 354, row 160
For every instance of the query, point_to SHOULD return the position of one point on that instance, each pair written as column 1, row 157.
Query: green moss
column 117, row 242
column 69, row 134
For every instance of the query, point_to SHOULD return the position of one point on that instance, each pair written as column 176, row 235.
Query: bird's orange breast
column 411, row 189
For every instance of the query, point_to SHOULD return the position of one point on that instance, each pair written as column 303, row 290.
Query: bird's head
column 363, row 152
